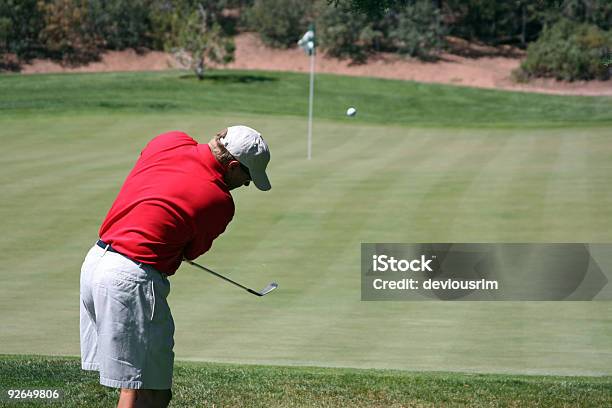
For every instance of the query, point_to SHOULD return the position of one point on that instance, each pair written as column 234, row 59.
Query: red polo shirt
column 174, row 203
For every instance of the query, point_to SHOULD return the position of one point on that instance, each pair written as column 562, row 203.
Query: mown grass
column 411, row 167
column 280, row 93
column 228, row 385
column 364, row 184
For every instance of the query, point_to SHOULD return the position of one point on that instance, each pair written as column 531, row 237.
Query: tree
column 200, row 38
column 344, row 34
column 519, row 21
column 372, row 8
column 69, row 33
column 414, row 29
column 21, row 21
column 596, row 12
column 280, row 22
column 417, row 30
column 123, row 24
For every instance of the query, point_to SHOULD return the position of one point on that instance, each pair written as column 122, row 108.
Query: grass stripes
column 370, row 180
column 371, row 183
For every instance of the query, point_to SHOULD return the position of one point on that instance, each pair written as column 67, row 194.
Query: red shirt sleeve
column 208, row 227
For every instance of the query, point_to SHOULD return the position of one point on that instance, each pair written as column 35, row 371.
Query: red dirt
column 467, row 65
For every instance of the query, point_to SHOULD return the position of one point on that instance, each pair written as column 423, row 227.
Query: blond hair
column 218, row 150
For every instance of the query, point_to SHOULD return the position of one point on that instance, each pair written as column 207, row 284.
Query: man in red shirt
column 173, row 204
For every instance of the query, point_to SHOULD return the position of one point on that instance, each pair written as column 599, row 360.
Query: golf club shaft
column 221, row 276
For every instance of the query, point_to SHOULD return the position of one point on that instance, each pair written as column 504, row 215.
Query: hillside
column 465, row 64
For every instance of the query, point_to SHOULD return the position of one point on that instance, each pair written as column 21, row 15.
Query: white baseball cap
column 249, row 148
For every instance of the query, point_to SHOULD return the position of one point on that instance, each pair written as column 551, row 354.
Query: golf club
column 263, row 292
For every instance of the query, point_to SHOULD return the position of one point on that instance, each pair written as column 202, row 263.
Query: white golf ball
column 351, row 111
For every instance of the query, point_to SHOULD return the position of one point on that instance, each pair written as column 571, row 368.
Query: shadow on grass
column 230, row 78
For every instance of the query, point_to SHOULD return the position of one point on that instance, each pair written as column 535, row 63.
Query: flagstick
column 312, row 61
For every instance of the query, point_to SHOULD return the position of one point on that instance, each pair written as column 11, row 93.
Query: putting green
column 366, row 183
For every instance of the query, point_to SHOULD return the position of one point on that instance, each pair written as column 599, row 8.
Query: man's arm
column 209, row 226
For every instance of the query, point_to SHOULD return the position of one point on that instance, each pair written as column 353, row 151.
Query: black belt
column 106, row 246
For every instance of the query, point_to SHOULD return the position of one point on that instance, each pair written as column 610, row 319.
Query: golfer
column 172, row 205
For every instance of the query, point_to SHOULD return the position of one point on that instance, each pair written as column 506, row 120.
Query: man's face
column 236, row 175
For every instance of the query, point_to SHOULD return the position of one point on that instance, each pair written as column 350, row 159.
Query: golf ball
column 351, row 111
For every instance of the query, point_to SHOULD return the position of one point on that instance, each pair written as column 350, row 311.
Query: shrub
column 20, row 24
column 280, row 23
column 415, row 29
column 419, row 31
column 568, row 51
column 122, row 24
column 342, row 33
column 69, row 34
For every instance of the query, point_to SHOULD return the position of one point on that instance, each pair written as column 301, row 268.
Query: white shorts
column 127, row 330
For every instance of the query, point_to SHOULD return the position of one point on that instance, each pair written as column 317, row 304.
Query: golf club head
column 269, row 288
column 266, row 290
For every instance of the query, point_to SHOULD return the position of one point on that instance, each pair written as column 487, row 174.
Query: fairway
column 540, row 171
